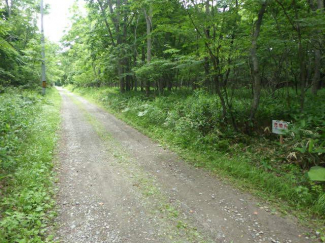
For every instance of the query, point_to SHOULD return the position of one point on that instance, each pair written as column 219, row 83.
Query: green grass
column 189, row 124
column 28, row 124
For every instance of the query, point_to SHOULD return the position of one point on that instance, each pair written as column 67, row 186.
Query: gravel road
column 117, row 185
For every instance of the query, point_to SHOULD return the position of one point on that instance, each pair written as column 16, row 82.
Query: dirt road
column 117, row 185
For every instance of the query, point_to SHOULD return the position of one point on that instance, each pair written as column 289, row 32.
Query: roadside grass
column 28, row 125
column 257, row 163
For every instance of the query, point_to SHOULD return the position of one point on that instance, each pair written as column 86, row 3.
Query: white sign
column 279, row 127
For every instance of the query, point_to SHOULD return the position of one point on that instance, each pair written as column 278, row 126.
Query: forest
column 204, row 77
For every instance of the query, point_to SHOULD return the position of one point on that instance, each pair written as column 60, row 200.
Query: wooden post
column 43, row 76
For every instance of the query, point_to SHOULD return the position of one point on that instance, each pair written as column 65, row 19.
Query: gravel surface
column 117, row 185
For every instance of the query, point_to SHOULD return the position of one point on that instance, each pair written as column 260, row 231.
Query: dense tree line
column 219, row 46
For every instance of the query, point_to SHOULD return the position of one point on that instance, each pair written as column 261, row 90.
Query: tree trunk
column 126, row 61
column 43, row 74
column 301, row 58
column 134, row 76
column 206, row 59
column 316, row 79
column 148, row 17
column 143, row 59
column 106, row 22
column 256, row 75
column 135, row 54
column 8, row 8
column 169, row 85
column 119, row 42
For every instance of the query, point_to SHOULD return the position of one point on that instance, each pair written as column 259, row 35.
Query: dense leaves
column 317, row 173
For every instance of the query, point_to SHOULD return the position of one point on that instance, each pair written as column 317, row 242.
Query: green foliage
column 320, row 204
column 14, row 69
column 317, row 173
column 149, row 72
column 307, row 132
column 28, row 124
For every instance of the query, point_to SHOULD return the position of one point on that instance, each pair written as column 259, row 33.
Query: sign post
column 280, row 127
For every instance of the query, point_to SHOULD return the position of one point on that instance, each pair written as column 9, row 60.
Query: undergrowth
column 28, row 125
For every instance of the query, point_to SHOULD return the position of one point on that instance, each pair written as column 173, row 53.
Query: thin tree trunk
column 256, row 75
column 126, row 61
column 169, row 85
column 119, row 42
column 148, row 17
column 316, row 79
column 301, row 58
column 43, row 74
column 8, row 8
column 106, row 22
column 206, row 59
column 135, row 54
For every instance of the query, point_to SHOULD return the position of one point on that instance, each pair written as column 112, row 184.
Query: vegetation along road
column 117, row 185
